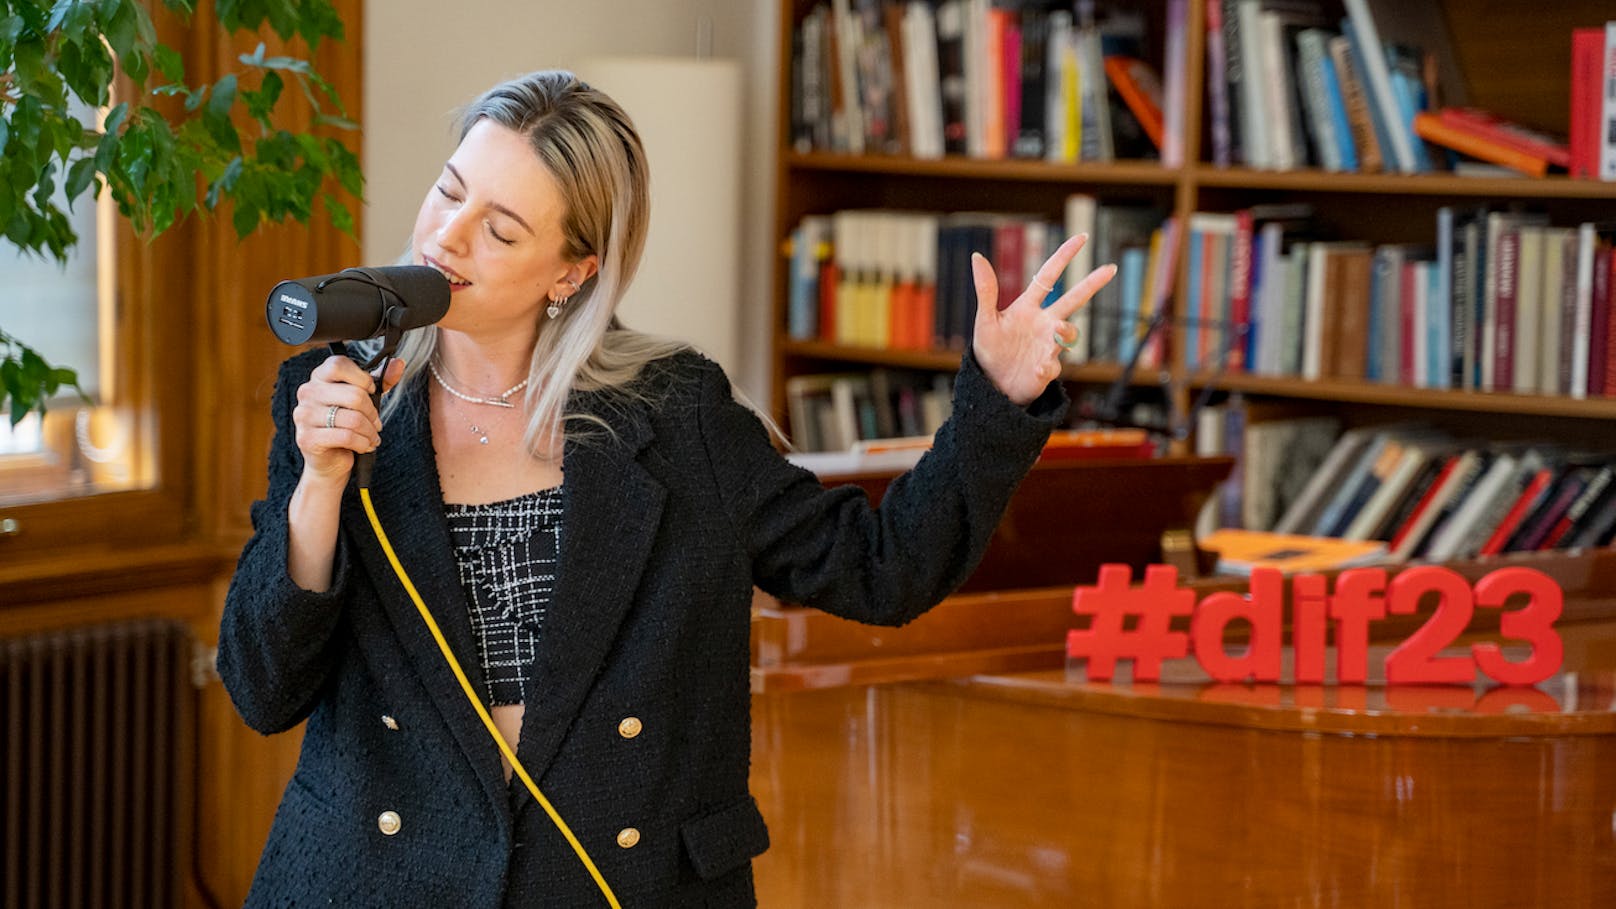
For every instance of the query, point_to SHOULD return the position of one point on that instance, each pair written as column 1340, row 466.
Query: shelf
column 1396, row 395
column 1125, row 172
column 1313, row 180
column 939, row 361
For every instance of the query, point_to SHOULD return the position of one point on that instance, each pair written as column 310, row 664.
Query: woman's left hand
column 1019, row 346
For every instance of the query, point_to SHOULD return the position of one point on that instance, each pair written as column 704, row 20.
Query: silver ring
column 1042, row 286
column 331, row 416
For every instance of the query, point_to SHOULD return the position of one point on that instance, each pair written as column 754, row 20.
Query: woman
column 586, row 511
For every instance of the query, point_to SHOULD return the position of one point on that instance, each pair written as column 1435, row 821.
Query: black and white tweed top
column 507, row 555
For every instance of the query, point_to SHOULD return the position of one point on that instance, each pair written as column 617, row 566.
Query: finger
column 1066, row 332
column 326, row 417
column 341, row 369
column 338, row 439
column 1082, row 292
column 1050, row 272
column 987, row 286
column 325, row 394
column 395, row 372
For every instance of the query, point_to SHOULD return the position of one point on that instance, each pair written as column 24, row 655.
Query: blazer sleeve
column 830, row 549
column 276, row 640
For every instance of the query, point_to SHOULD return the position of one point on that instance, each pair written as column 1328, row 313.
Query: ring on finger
column 1065, row 344
column 331, row 416
column 1042, row 286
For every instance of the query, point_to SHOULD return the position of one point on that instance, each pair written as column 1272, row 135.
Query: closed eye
column 495, row 234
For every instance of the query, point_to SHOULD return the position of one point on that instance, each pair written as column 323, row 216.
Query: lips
column 455, row 279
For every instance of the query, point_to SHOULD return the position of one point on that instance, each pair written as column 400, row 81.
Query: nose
column 454, row 230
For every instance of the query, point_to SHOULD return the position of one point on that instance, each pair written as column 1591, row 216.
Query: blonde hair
column 590, row 146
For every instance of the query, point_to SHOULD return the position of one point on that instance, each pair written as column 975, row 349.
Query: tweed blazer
column 640, row 733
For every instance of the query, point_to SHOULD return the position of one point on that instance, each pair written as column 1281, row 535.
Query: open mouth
column 455, row 280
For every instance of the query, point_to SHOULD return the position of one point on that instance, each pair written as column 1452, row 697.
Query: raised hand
column 1019, row 346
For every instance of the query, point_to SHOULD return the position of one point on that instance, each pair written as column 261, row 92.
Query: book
column 1141, row 90
column 1496, row 129
column 1240, row 551
column 1433, row 128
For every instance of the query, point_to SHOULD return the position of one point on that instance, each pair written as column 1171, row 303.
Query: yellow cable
column 477, row 704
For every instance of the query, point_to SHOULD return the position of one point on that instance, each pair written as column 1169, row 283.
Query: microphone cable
column 477, row 704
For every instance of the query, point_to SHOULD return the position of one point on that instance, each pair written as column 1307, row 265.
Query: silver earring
column 554, row 309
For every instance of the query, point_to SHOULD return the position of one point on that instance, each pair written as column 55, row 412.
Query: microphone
column 356, row 304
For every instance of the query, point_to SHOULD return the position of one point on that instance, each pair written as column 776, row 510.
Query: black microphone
column 356, row 304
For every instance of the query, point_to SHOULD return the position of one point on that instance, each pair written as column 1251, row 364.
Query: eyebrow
column 494, row 205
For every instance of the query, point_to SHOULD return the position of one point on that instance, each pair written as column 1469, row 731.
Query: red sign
column 1134, row 623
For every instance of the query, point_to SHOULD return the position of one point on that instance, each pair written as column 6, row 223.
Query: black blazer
column 643, row 720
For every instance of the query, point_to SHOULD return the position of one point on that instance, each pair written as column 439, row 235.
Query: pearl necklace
column 502, row 400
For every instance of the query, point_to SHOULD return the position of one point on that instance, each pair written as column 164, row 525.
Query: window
column 83, row 446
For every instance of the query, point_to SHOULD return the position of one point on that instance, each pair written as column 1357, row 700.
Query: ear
column 577, row 273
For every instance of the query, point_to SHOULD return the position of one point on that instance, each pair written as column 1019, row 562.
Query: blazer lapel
column 611, row 510
column 408, row 502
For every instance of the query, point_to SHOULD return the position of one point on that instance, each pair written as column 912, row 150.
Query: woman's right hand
column 335, row 419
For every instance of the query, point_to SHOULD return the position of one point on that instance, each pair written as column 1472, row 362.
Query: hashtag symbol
column 1111, row 602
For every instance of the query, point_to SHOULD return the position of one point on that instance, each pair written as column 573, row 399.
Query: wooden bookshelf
column 1514, row 59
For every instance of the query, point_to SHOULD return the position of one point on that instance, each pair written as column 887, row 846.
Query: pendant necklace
column 501, row 400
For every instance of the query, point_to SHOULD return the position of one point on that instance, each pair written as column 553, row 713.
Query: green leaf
column 79, row 177
column 245, row 219
column 340, row 217
column 169, row 63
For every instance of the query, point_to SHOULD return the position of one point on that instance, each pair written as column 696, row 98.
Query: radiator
column 98, row 753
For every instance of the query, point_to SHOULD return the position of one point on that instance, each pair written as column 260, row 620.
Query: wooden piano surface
column 1032, row 789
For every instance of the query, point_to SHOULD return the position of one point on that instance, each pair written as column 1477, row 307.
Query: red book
column 1141, row 90
column 1608, row 265
column 1507, row 268
column 1511, row 135
column 925, row 316
column 1009, row 257
column 1587, row 55
column 1240, row 289
column 1518, row 511
column 900, row 310
column 1424, row 503
column 829, row 277
column 1599, row 333
column 1466, row 141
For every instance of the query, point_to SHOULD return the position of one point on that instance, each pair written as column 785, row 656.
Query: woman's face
column 491, row 223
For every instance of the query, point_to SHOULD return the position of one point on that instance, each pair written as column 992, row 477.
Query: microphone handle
column 365, row 462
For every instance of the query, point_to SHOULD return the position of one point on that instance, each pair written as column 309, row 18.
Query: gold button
column 627, row 837
column 389, row 823
column 630, row 727
column 389, row 722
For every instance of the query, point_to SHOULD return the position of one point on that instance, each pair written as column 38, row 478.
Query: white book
column 977, row 83
column 1528, row 309
column 1607, row 112
column 1583, row 320
column 1556, row 241
column 1081, row 210
column 1271, row 312
column 1313, row 327
column 1379, row 80
column 1305, row 508
column 923, row 81
column 1253, row 90
column 1393, row 485
column 1277, row 93
column 1421, row 524
column 849, row 38
column 1452, row 536
column 1172, row 153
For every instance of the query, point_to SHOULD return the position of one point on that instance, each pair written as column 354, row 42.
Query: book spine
column 1432, row 128
column 1598, row 347
column 1510, row 135
column 1217, row 84
column 1372, row 56
column 1587, row 55
column 1607, row 105
column 1506, row 268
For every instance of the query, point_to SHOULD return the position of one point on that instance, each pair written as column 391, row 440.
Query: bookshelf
column 1514, row 60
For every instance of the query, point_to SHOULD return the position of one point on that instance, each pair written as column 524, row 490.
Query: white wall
column 425, row 58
